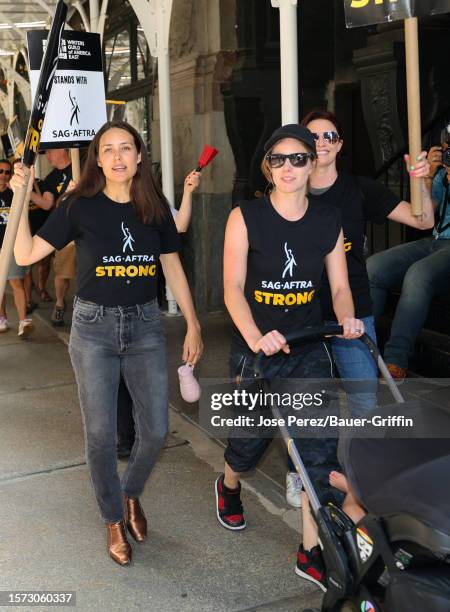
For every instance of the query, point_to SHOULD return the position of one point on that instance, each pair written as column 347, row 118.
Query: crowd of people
column 112, row 228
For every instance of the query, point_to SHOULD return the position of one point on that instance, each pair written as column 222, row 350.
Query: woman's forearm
column 24, row 240
column 428, row 205
column 183, row 218
column 29, row 249
column 343, row 304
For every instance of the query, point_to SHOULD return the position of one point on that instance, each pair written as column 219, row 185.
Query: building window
column 117, row 60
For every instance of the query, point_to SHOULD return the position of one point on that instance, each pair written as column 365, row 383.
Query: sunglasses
column 329, row 136
column 298, row 160
column 3, row 171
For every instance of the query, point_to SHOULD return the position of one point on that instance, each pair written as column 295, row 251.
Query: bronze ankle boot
column 135, row 518
column 118, row 547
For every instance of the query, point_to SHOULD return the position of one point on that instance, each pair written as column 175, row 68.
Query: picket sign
column 76, row 109
column 43, row 88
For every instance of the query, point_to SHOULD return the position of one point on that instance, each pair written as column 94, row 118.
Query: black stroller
column 397, row 558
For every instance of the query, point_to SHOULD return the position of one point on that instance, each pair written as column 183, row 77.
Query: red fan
column 208, row 154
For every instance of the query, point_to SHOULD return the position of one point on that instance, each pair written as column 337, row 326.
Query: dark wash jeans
column 421, row 269
column 318, row 454
column 106, row 342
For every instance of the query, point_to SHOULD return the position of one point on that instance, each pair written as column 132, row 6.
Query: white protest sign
column 76, row 109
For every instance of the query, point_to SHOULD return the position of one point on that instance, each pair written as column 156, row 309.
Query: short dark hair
column 319, row 113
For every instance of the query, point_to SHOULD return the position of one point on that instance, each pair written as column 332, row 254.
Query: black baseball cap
column 292, row 130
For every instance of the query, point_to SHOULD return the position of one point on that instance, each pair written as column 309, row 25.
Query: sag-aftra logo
column 363, row 3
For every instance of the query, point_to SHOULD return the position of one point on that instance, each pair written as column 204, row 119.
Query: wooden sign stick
column 414, row 122
column 75, row 158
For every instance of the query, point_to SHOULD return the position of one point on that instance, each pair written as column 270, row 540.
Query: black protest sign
column 43, row 85
column 77, row 106
column 368, row 12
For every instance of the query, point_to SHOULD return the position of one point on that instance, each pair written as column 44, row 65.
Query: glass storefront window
column 142, row 55
column 118, row 65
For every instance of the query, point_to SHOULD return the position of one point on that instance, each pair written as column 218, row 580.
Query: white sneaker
column 4, row 325
column 293, row 489
column 25, row 328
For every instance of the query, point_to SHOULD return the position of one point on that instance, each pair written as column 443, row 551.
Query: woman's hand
column 271, row 343
column 192, row 181
column 72, row 184
column 353, row 328
column 193, row 345
column 18, row 178
column 420, row 168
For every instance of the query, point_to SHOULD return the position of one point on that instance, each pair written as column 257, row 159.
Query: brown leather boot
column 135, row 518
column 118, row 547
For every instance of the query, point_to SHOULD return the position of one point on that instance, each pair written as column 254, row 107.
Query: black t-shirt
column 38, row 216
column 57, row 181
column 359, row 199
column 5, row 206
column 285, row 263
column 116, row 253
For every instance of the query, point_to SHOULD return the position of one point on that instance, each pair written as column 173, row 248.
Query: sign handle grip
column 20, row 200
column 75, row 158
column 414, row 120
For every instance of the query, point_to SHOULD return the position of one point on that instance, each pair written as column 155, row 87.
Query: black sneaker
column 311, row 567
column 230, row 512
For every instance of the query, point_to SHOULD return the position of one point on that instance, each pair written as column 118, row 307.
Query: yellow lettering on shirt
column 122, row 271
column 279, row 299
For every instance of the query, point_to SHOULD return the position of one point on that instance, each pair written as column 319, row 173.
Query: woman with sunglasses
column 275, row 251
column 359, row 200
column 121, row 224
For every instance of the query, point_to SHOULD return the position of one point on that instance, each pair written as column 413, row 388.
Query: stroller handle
column 319, row 332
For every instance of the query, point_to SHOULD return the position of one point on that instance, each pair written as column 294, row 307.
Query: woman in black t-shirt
column 359, row 200
column 122, row 225
column 274, row 254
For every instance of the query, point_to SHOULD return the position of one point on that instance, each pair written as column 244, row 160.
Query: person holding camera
column 420, row 268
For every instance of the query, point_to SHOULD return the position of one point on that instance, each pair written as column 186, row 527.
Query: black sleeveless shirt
column 285, row 263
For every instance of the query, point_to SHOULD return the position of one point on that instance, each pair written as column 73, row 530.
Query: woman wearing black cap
column 274, row 254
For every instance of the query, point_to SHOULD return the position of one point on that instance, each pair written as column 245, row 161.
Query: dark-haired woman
column 359, row 200
column 121, row 224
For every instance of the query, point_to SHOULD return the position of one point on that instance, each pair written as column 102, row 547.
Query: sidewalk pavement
column 51, row 535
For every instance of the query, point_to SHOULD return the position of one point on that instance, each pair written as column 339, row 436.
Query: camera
column 445, row 138
column 446, row 158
